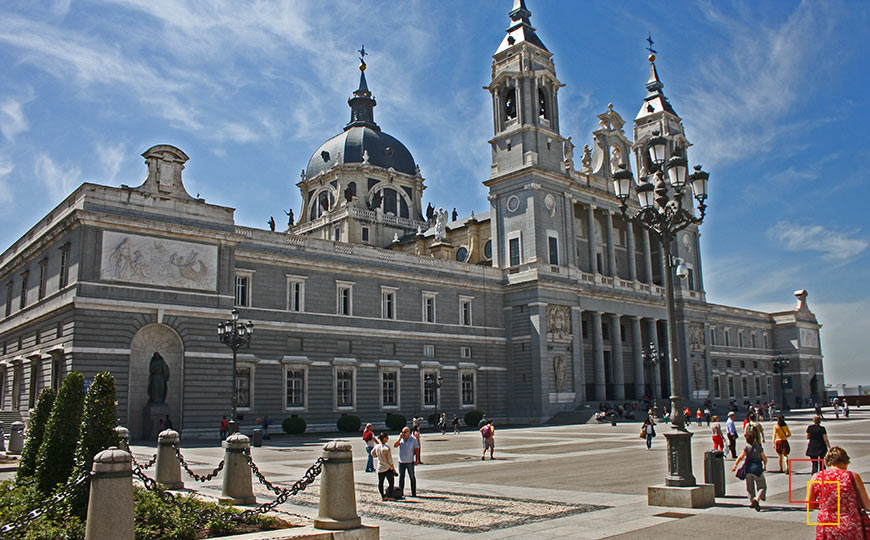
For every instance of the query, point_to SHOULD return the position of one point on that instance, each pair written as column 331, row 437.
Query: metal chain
column 197, row 477
column 147, row 465
column 61, row 495
column 283, row 493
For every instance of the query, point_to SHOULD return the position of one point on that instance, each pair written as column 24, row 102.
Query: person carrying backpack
column 488, row 434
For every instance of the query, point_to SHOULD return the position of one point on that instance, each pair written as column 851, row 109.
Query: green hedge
column 294, row 425
column 348, row 423
column 433, row 419
column 54, row 462
column 472, row 418
column 35, row 434
column 395, row 422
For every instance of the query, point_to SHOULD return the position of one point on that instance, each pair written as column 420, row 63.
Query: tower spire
column 520, row 29
column 362, row 103
column 655, row 100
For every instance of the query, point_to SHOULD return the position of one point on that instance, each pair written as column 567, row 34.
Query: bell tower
column 524, row 91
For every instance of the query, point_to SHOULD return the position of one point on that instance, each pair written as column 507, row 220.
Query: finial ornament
column 649, row 47
column 362, row 58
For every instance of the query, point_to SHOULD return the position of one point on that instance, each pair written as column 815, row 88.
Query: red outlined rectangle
column 791, row 470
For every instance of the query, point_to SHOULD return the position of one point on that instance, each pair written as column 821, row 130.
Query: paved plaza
column 574, row 481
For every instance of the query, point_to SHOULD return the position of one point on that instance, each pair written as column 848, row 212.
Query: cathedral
column 550, row 302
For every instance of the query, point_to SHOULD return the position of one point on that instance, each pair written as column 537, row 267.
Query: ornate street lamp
column 651, row 359
column 662, row 213
column 780, row 364
column 435, row 383
column 234, row 334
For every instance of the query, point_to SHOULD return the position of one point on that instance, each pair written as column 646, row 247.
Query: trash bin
column 16, row 438
column 613, row 419
column 257, row 439
column 714, row 470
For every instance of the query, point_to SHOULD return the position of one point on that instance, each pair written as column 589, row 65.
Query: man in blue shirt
column 407, row 445
column 731, row 431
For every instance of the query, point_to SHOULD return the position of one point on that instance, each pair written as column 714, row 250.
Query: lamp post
column 650, row 361
column 662, row 213
column 234, row 333
column 780, row 364
column 436, row 383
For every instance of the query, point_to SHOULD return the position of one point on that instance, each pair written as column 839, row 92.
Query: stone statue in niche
column 560, row 372
column 158, row 377
column 569, row 150
column 615, row 160
column 696, row 336
column 587, row 158
column 441, row 225
column 558, row 321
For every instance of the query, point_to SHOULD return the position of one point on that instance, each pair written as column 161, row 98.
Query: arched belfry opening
column 510, row 104
column 543, row 105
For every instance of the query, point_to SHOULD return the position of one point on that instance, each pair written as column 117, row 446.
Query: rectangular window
column 465, row 352
column 243, row 387
column 365, row 234
column 585, row 330
column 468, row 388
column 758, row 386
column 465, row 311
column 43, row 276
column 295, row 378
column 745, row 387
column 514, row 250
column 754, row 341
column 727, row 338
column 740, row 339
column 388, row 303
column 691, row 279
column 9, row 287
column 336, row 235
column 22, row 302
column 390, row 388
column 717, row 393
column 553, row 244
column 295, row 293
column 428, row 307
column 765, row 341
column 712, row 336
column 429, row 351
column 768, row 388
column 63, row 274
column 728, row 363
column 243, row 285
column 730, row 387
column 344, row 298
column 605, row 331
column 35, row 376
column 56, row 373
column 622, row 332
column 429, row 390
column 344, row 388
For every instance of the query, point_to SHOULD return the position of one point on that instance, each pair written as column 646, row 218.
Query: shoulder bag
column 862, row 514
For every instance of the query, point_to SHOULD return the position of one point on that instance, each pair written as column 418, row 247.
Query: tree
column 54, row 461
column 35, row 432
column 97, row 433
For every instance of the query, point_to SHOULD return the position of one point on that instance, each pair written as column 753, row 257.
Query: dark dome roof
column 348, row 147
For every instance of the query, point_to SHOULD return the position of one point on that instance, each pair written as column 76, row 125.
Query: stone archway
column 149, row 339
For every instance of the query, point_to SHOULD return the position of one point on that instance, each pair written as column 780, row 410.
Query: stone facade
column 543, row 304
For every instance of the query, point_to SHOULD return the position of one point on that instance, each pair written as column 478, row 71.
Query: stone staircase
column 7, row 416
column 580, row 416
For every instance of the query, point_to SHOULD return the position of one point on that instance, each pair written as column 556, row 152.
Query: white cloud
column 111, row 158
column 6, row 167
column 12, row 118
column 832, row 244
column 59, row 180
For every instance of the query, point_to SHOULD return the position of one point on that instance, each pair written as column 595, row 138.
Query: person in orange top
column 781, row 433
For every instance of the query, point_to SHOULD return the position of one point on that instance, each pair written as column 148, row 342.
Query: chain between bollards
column 197, row 477
column 61, row 495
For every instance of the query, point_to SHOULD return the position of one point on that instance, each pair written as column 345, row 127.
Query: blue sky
column 774, row 96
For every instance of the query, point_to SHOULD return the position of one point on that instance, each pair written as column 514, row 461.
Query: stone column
column 593, row 250
column 168, row 466
column 647, row 257
column 237, row 486
column 110, row 503
column 598, row 353
column 632, row 263
column 577, row 355
column 616, row 353
column 655, row 380
column 337, row 509
column 611, row 246
column 637, row 357
column 123, row 438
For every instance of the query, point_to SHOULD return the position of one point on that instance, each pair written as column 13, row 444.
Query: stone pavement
column 583, row 481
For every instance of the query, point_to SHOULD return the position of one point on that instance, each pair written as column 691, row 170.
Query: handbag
column 741, row 472
column 643, row 433
column 862, row 514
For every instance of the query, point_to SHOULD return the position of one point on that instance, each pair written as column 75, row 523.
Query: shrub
column 97, row 433
column 54, row 462
column 472, row 418
column 35, row 433
column 294, row 425
column 433, row 419
column 348, row 423
column 395, row 422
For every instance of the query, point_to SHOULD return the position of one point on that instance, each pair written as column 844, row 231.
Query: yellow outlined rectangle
column 838, row 500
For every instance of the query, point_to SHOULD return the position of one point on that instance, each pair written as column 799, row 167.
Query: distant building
column 543, row 304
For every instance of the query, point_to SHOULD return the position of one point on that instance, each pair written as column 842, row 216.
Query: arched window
column 392, row 202
column 321, row 204
column 510, row 104
column 543, row 109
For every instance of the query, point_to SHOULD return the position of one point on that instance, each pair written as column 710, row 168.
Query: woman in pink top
column 831, row 501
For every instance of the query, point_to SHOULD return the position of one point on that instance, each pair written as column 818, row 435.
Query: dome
column 348, row 147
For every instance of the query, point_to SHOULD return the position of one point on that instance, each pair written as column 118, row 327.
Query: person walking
column 368, row 437
column 455, row 425
column 417, row 434
column 716, row 431
column 818, row 443
column 266, row 424
column 754, row 467
column 753, row 425
column 483, row 421
column 649, row 431
column 836, row 408
column 731, row 431
column 699, row 416
column 708, row 416
column 846, row 408
column 839, row 495
column 781, row 433
column 407, row 445
column 225, row 426
column 386, row 468
column 488, row 434
column 442, row 423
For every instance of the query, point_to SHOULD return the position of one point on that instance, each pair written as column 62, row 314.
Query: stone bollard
column 2, row 439
column 168, row 466
column 110, row 503
column 337, row 508
column 16, row 438
column 123, row 438
column 237, row 485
